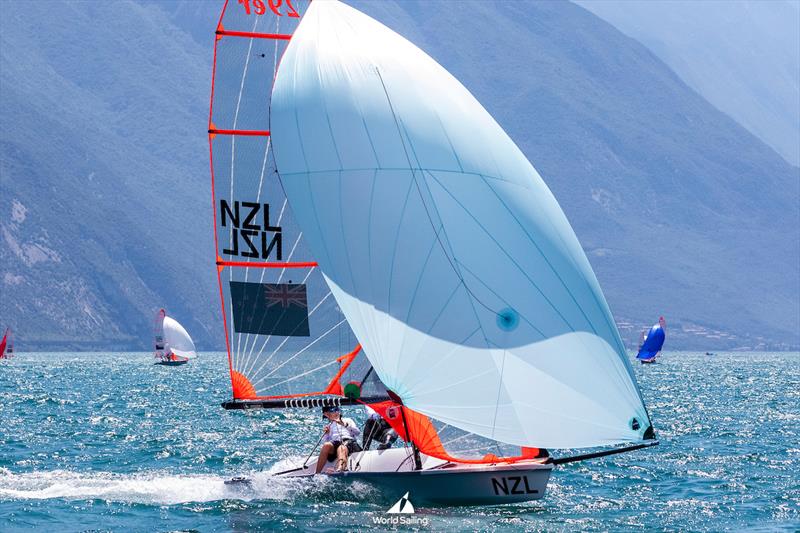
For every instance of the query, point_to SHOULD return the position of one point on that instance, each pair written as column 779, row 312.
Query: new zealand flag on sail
column 270, row 308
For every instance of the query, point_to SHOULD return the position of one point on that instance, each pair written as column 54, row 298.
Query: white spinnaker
column 447, row 253
column 177, row 339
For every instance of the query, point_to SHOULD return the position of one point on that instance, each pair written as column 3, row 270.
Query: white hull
column 440, row 482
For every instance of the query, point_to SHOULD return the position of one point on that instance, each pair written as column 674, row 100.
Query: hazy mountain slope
column 743, row 56
column 103, row 109
column 103, row 175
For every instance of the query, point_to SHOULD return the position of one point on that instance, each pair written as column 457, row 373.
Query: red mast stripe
column 275, row 36
column 266, row 265
column 255, row 133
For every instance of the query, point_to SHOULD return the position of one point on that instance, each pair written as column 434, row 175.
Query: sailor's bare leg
column 327, row 448
column 341, row 463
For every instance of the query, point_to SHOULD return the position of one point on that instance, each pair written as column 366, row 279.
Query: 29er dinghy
column 172, row 344
column 367, row 194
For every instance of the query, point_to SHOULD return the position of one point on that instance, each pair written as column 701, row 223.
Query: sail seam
column 513, row 261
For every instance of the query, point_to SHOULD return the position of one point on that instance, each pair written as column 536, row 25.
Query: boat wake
column 156, row 487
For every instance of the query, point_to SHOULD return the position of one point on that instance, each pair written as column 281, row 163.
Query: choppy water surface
column 111, row 442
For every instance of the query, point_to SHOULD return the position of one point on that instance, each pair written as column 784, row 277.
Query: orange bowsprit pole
column 334, row 387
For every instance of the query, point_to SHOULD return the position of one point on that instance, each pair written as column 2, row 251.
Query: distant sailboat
column 413, row 219
column 172, row 344
column 652, row 342
column 7, row 345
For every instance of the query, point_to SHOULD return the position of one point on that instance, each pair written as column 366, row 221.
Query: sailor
column 377, row 429
column 338, row 439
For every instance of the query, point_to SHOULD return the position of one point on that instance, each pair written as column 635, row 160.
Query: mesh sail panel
column 285, row 334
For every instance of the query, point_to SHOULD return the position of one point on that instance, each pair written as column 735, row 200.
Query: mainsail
column 449, row 256
column 286, row 337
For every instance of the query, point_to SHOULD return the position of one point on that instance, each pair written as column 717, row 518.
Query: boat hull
column 461, row 486
column 442, row 483
column 172, row 363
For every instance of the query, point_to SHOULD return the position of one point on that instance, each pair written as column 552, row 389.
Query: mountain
column 104, row 169
column 105, row 188
column 743, row 56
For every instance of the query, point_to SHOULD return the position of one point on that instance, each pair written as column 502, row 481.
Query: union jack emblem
column 285, row 295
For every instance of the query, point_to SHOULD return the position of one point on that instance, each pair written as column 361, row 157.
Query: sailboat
column 410, row 221
column 172, row 345
column 652, row 342
column 7, row 345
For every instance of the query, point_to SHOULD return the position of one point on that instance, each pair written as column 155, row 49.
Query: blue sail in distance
column 653, row 342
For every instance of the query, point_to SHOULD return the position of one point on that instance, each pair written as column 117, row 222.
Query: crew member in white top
column 339, row 439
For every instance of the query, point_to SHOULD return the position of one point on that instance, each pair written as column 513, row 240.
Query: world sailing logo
column 403, row 507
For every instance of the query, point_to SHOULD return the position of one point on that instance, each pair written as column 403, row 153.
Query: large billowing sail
column 449, row 256
column 285, row 334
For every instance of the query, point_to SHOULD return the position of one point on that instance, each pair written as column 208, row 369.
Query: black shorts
column 352, row 447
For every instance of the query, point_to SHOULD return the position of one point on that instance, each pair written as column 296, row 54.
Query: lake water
column 112, row 442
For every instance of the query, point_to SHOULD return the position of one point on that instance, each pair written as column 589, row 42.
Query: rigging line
column 233, row 159
column 252, row 363
column 464, row 436
column 499, row 389
column 286, row 339
column 298, row 376
column 479, row 449
column 298, row 353
column 247, row 363
column 268, row 337
column 263, row 317
column 361, row 383
column 261, row 281
column 452, row 384
column 258, row 201
column 260, row 186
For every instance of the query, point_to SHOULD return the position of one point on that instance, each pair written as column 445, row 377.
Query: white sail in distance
column 451, row 259
column 177, row 339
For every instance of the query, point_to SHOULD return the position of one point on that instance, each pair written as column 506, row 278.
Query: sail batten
column 445, row 250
